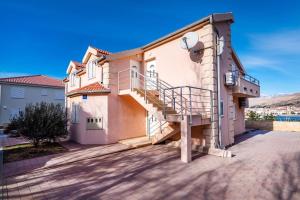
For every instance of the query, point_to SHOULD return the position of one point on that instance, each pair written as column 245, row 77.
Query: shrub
column 252, row 115
column 41, row 122
column 269, row 117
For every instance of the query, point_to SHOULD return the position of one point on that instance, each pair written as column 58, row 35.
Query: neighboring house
column 17, row 92
column 162, row 91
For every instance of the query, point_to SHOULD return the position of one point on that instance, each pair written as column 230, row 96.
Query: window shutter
column 17, row 92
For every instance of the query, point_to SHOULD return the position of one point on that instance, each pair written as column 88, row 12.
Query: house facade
column 163, row 91
column 17, row 92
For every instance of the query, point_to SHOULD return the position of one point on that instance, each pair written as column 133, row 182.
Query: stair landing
column 137, row 142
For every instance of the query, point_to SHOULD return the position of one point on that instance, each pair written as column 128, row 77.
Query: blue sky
column 41, row 37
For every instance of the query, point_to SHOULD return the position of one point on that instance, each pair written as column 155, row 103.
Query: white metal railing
column 184, row 100
column 246, row 77
column 189, row 101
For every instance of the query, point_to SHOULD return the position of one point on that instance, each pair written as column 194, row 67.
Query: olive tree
column 42, row 122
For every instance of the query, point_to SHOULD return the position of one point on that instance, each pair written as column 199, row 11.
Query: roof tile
column 39, row 80
column 91, row 88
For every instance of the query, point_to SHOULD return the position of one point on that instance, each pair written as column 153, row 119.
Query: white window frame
column 73, row 78
column 91, row 69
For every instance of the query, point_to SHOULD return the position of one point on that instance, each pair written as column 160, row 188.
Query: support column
column 186, row 144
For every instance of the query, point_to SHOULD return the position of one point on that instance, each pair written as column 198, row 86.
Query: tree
column 42, row 122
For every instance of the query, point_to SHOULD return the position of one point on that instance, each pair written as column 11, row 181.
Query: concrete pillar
column 186, row 144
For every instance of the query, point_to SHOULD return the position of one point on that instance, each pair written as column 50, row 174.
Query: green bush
column 269, row 117
column 42, row 122
column 254, row 116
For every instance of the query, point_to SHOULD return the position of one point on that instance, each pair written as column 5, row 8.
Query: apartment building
column 163, row 90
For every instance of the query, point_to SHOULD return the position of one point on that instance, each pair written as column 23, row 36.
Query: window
column 44, row 92
column 91, row 69
column 221, row 108
column 59, row 95
column 73, row 78
column 17, row 92
column 75, row 113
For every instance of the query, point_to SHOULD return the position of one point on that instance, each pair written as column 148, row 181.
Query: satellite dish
column 189, row 40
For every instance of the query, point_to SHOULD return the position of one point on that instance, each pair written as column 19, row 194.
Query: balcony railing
column 247, row 77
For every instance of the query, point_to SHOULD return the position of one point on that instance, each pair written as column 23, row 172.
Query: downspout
column 218, row 55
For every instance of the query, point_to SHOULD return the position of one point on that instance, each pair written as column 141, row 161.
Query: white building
column 17, row 92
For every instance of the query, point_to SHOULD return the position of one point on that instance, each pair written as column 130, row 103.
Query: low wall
column 273, row 125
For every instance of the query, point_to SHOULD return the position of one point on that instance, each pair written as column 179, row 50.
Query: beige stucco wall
column 33, row 94
column 128, row 118
column 179, row 67
column 273, row 125
column 94, row 106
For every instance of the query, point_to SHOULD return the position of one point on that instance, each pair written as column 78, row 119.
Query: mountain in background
column 275, row 101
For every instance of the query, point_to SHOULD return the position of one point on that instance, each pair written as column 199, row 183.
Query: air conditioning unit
column 230, row 79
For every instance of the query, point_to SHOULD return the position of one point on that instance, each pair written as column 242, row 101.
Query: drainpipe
column 218, row 54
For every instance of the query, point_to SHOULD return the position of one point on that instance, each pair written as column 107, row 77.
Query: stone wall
column 273, row 125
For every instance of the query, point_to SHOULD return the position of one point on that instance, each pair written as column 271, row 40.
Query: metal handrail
column 247, row 77
column 187, row 108
column 182, row 102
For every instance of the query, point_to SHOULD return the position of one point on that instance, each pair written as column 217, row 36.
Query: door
column 134, row 76
column 151, row 75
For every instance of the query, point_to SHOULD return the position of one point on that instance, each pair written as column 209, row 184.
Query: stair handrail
column 189, row 110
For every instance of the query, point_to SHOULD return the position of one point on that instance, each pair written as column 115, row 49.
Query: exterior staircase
column 168, row 103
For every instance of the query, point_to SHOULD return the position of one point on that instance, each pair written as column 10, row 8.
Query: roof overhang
column 123, row 54
column 95, row 92
column 93, row 51
column 211, row 19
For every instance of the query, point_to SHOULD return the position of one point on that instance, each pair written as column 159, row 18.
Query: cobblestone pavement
column 266, row 165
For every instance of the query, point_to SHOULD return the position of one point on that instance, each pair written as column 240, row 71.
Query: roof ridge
column 101, row 50
column 21, row 76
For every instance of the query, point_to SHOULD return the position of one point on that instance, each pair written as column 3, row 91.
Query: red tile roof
column 78, row 65
column 101, row 51
column 91, row 88
column 37, row 80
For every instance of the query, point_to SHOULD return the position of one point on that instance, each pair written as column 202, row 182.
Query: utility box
column 94, row 123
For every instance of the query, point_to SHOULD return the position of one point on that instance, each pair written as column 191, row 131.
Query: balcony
column 246, row 86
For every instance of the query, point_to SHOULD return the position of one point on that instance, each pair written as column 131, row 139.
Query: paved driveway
column 265, row 166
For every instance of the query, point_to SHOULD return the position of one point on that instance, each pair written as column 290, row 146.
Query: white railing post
column 191, row 109
column 181, row 107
